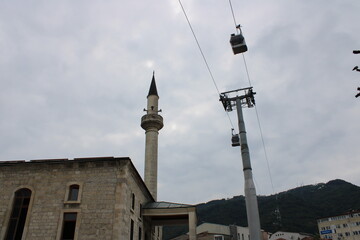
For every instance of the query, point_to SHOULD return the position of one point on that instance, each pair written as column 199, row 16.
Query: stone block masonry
column 104, row 208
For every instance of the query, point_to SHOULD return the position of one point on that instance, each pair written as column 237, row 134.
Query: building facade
column 89, row 198
column 340, row 227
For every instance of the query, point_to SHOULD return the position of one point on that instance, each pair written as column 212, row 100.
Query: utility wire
column 260, row 129
column 233, row 15
column 198, row 44
column 203, row 56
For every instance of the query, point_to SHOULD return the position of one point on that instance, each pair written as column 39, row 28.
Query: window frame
column 66, row 222
column 140, row 233
column 73, row 192
column 68, row 192
column 216, row 237
column 61, row 223
column 133, row 201
column 140, row 212
column 132, row 229
column 18, row 217
column 8, row 214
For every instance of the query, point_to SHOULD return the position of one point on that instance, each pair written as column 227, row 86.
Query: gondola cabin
column 235, row 140
column 238, row 43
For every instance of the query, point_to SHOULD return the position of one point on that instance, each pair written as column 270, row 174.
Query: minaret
column 152, row 122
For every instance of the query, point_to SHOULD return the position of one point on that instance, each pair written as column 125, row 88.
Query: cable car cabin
column 238, row 43
column 235, row 141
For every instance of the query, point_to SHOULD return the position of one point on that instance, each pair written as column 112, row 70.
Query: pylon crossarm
column 247, row 99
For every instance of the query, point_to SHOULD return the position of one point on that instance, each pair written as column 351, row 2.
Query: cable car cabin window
column 69, row 224
column 236, row 39
column 18, row 215
column 73, row 192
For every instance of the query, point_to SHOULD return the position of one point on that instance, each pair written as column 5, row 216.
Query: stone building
column 89, row 198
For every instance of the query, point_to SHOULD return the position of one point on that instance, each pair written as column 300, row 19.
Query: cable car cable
column 260, row 129
column 198, row 44
column 203, row 56
column 233, row 15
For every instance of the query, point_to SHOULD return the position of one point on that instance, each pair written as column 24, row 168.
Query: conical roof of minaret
column 153, row 90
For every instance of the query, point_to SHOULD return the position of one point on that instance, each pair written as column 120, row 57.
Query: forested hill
column 299, row 208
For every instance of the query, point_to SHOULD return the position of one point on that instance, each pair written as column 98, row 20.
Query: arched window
column 18, row 214
column 73, row 192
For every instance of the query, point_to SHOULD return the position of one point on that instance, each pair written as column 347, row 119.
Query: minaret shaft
column 151, row 160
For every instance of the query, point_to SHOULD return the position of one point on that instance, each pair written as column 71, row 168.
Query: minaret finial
column 153, row 90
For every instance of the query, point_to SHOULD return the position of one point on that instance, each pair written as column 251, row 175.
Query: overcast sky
column 75, row 75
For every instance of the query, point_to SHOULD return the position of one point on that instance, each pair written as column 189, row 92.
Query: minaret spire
column 153, row 90
column 152, row 122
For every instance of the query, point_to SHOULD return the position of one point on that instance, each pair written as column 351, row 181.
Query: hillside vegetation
column 299, row 208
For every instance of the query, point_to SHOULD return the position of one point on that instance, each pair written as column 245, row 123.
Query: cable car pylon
column 246, row 100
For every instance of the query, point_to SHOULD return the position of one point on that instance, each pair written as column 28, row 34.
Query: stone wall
column 104, row 208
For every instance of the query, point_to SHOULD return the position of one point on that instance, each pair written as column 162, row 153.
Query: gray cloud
column 75, row 75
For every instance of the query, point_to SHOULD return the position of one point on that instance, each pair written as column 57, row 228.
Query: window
column 140, row 210
column 133, row 201
column 73, row 192
column 18, row 214
column 132, row 230
column 69, row 224
column 218, row 237
column 140, row 233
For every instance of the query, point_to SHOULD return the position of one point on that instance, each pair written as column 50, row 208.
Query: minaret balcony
column 152, row 120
